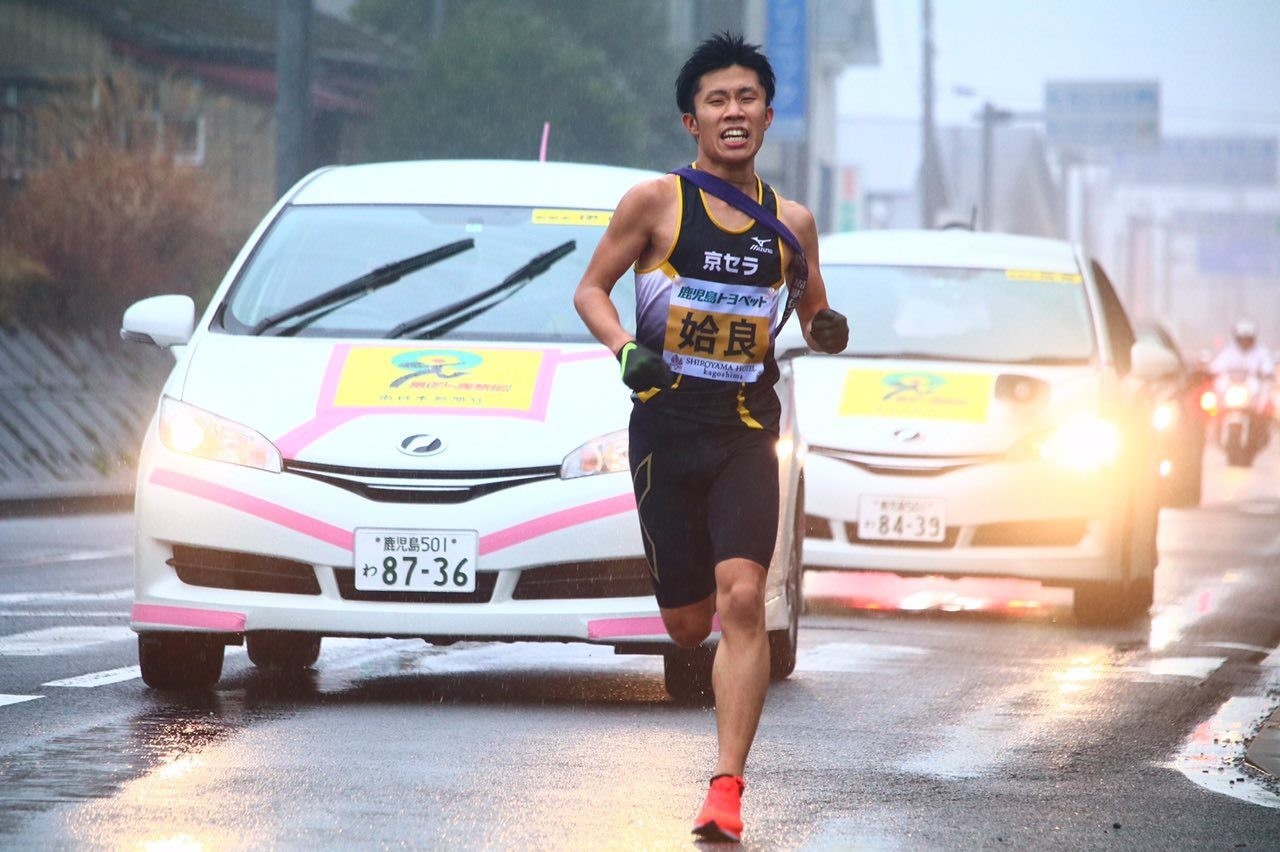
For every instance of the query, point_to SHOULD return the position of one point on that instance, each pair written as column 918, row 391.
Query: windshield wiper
column 357, row 288
column 451, row 316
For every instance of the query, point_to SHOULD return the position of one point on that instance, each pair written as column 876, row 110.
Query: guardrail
column 73, row 408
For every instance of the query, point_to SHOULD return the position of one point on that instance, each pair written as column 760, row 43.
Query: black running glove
column 643, row 368
column 830, row 330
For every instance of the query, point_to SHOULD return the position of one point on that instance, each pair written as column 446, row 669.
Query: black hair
column 722, row 50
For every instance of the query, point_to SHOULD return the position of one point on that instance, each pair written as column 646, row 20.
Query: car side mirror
column 1150, row 361
column 164, row 321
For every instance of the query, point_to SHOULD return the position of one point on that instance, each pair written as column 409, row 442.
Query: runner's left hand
column 830, row 330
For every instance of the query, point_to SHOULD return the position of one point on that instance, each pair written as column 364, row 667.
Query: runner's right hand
column 643, row 368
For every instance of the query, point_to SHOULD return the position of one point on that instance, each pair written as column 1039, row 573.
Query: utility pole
column 293, row 92
column 990, row 116
column 930, row 164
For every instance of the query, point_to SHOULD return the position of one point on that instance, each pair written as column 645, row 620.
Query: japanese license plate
column 415, row 560
column 902, row 518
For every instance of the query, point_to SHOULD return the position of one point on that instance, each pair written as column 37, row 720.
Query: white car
column 990, row 417
column 391, row 422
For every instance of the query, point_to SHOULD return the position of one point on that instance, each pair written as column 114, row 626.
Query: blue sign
column 1120, row 115
column 787, row 45
column 1226, row 161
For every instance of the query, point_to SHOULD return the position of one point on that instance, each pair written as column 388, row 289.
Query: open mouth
column 734, row 134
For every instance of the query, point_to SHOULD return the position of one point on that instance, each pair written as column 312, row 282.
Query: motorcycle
column 1240, row 407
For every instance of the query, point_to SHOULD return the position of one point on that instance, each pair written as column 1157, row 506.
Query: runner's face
column 729, row 115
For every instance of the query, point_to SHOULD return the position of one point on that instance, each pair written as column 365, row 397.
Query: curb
column 1263, row 752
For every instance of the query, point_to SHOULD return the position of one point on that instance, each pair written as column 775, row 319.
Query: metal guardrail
column 73, row 409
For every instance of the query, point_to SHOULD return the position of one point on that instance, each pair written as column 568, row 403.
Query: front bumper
column 1007, row 519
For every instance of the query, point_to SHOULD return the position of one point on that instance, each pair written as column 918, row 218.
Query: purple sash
column 797, row 272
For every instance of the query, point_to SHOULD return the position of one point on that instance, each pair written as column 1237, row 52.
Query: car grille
column 244, row 572
column 622, row 578
column 419, row 486
column 1054, row 533
column 903, row 465
column 346, row 579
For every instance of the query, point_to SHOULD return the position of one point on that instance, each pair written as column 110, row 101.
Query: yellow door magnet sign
column 916, row 394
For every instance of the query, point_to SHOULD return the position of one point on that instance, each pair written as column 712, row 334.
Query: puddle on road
column 1213, row 756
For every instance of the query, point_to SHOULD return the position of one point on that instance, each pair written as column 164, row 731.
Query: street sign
column 787, row 45
column 1233, row 243
column 1227, row 161
column 1116, row 115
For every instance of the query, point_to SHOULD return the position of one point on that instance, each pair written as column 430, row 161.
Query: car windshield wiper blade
column 357, row 287
column 450, row 316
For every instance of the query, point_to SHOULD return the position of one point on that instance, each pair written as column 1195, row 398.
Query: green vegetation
column 490, row 73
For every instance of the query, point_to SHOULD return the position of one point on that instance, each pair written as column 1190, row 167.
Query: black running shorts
column 706, row 493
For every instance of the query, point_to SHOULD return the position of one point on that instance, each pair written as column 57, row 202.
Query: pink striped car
column 389, row 421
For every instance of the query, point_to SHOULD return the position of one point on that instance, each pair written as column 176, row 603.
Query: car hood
column 936, row 408
column 491, row 405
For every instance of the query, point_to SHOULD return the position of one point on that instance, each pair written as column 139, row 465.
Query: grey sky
column 1218, row 61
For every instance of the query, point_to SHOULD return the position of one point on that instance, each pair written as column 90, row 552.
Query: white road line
column 1213, row 755
column 17, row 699
column 99, row 678
column 60, row 640
column 59, row 558
column 65, row 597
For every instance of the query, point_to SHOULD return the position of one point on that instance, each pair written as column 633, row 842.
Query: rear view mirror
column 161, row 320
column 1150, row 361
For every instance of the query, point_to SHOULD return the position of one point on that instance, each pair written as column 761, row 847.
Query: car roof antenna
column 546, row 132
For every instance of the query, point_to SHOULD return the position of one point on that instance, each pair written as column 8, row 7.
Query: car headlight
column 196, row 432
column 1165, row 415
column 602, row 454
column 1084, row 445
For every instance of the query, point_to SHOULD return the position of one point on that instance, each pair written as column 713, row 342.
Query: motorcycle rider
column 1243, row 353
column 1244, row 362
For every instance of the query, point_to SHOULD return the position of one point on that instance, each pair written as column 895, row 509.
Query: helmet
column 1245, row 331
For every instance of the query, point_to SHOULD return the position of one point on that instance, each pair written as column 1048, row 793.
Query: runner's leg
column 740, row 675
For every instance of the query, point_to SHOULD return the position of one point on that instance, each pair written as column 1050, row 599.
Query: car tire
column 281, row 651
column 686, row 673
column 1112, row 604
column 180, row 661
column 783, row 644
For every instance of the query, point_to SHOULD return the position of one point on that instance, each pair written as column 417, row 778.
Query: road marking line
column 65, row 597
column 99, row 678
column 17, row 699
column 1213, row 756
column 59, row 558
column 60, row 640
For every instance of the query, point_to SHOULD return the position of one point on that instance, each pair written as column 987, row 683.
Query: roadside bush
column 95, row 232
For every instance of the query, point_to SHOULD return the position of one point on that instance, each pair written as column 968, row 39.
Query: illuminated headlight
column 1083, row 445
column 1237, row 396
column 196, row 432
column 603, row 454
column 1164, row 416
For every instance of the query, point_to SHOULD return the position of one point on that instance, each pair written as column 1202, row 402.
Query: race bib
column 718, row 331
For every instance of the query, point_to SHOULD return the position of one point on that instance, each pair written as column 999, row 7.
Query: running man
column 705, row 416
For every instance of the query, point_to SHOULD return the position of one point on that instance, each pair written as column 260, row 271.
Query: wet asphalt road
column 923, row 714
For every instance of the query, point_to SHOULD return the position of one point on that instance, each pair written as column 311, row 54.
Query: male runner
column 705, row 418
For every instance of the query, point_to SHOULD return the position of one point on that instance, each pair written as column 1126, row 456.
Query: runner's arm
column 624, row 241
column 814, row 301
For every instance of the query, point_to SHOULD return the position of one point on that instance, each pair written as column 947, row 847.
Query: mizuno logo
column 761, row 245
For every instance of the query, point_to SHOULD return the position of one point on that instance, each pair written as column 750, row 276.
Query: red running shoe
column 721, row 817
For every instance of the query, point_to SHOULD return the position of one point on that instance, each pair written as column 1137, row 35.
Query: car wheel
column 686, row 672
column 282, row 651
column 1111, row 604
column 784, row 643
column 180, row 661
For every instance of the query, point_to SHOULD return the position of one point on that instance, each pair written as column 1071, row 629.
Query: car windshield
column 1010, row 316
column 312, row 249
